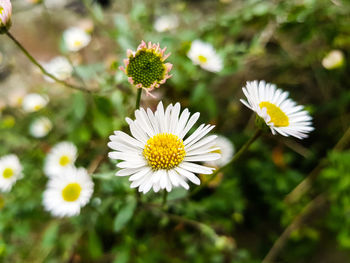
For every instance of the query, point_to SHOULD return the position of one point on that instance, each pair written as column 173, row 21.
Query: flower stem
column 242, row 150
column 36, row 63
column 165, row 196
column 138, row 98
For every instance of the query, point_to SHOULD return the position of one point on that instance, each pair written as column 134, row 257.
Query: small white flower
column 16, row 96
column 34, row 102
column 40, row 127
column 204, row 55
column 76, row 38
column 10, row 172
column 158, row 156
column 225, row 147
column 279, row 112
column 59, row 67
column 66, row 193
column 60, row 157
column 333, row 60
column 166, row 23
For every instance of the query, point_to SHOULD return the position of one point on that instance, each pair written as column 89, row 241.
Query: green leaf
column 95, row 246
column 125, row 214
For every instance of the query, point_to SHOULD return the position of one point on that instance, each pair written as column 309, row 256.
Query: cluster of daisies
column 160, row 155
column 31, row 103
column 69, row 188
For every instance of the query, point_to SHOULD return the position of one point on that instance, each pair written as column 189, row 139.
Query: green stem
column 165, row 196
column 242, row 150
column 36, row 63
column 138, row 98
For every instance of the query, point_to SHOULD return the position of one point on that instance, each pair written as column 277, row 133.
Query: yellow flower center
column 71, row 192
column 64, row 160
column 278, row 117
column 202, row 59
column 37, row 107
column 77, row 43
column 8, row 173
column 1, row 10
column 164, row 151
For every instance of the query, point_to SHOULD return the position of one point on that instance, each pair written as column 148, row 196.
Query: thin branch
column 36, row 63
column 279, row 244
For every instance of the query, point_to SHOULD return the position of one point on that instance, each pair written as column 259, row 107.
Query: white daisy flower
column 16, row 96
column 76, row 38
column 34, row 102
column 279, row 112
column 10, row 172
column 204, row 55
column 61, row 156
column 67, row 192
column 59, row 67
column 40, row 127
column 158, row 156
column 166, row 23
column 226, row 149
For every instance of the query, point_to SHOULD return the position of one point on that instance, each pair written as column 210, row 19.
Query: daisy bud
column 5, row 15
column 333, row 60
column 145, row 67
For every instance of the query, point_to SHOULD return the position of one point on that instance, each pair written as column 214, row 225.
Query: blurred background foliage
column 240, row 217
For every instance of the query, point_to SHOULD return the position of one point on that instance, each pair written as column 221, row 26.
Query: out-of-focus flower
column 5, row 15
column 87, row 25
column 15, row 97
column 10, row 172
column 60, row 157
column 76, row 38
column 145, row 68
column 34, row 102
column 40, row 127
column 225, row 147
column 59, row 67
column 67, row 193
column 204, row 55
column 276, row 110
column 166, row 23
column 157, row 156
column 333, row 60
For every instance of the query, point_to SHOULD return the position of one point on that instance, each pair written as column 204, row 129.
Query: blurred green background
column 241, row 217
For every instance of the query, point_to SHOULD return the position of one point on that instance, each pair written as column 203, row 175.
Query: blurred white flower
column 204, row 55
column 157, row 156
column 76, row 38
column 66, row 193
column 10, row 172
column 34, row 102
column 59, row 67
column 225, row 147
column 15, row 97
column 166, row 23
column 40, row 127
column 333, row 60
column 5, row 15
column 60, row 157
column 276, row 110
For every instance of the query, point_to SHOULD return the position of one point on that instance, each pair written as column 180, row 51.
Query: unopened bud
column 5, row 15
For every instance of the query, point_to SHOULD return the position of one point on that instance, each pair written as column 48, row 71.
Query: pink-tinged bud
column 130, row 80
column 5, row 15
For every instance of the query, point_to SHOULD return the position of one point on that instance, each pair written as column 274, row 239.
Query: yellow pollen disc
column 64, row 160
column 278, row 117
column 8, row 173
column 164, row 151
column 202, row 59
column 77, row 43
column 37, row 107
column 1, row 10
column 71, row 192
